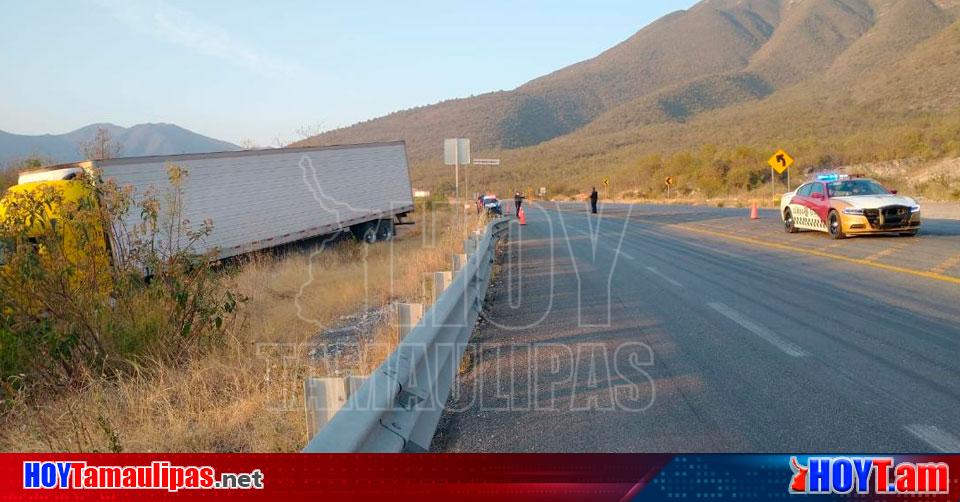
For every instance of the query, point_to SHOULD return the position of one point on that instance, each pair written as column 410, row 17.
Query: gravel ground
column 339, row 347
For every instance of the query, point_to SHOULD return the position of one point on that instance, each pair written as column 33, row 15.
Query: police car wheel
column 788, row 223
column 835, row 225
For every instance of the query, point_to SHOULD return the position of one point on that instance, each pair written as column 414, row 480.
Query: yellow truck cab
column 56, row 204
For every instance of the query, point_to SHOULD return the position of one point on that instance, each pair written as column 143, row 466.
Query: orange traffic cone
column 522, row 216
column 754, row 212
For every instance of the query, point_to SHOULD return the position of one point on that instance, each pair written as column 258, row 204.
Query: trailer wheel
column 385, row 231
column 365, row 232
column 369, row 234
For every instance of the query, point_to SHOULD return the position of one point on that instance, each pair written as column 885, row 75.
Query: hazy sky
column 261, row 70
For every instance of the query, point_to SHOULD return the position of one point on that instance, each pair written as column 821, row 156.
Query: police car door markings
column 935, row 437
column 787, row 347
column 806, row 218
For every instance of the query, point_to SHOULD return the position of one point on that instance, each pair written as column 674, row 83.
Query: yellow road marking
column 947, row 264
column 881, row 254
column 937, row 276
column 902, row 245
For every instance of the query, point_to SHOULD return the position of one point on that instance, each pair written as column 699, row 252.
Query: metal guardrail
column 399, row 406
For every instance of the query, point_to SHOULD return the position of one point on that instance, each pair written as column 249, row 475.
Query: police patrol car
column 844, row 206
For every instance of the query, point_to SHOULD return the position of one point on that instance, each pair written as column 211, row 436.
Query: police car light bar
column 832, row 177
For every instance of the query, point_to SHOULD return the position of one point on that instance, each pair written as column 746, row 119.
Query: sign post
column 456, row 151
column 669, row 183
column 780, row 162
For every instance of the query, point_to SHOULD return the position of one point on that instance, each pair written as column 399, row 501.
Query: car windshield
column 849, row 188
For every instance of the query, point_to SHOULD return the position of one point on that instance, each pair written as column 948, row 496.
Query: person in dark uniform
column 593, row 200
column 479, row 203
column 518, row 201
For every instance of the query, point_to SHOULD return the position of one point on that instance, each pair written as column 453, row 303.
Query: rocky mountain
column 141, row 139
column 832, row 78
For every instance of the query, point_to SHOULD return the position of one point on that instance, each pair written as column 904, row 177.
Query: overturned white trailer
column 258, row 199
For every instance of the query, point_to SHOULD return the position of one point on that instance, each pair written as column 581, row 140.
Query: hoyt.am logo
column 868, row 475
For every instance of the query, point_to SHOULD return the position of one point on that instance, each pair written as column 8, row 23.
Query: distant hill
column 834, row 80
column 139, row 140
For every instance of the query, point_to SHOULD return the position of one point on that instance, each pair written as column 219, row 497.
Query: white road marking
column 686, row 242
column 664, row 277
column 729, row 254
column 787, row 347
column 600, row 234
column 940, row 440
column 624, row 254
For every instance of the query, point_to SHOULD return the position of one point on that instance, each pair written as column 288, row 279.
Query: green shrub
column 67, row 311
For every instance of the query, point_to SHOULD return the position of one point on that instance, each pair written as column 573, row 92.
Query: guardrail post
column 459, row 260
column 399, row 405
column 323, row 398
column 470, row 245
column 408, row 315
column 441, row 281
column 354, row 382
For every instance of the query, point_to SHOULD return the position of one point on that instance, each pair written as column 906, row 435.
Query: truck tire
column 365, row 232
column 385, row 230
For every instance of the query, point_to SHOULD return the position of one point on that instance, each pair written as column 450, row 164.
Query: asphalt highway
column 682, row 328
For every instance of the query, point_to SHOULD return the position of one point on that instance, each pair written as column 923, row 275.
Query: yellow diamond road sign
column 781, row 161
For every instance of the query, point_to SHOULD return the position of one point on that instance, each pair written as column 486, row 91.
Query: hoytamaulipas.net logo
column 159, row 475
column 868, row 475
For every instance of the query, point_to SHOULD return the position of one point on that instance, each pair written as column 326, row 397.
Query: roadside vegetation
column 169, row 350
column 710, row 164
column 8, row 178
column 212, row 385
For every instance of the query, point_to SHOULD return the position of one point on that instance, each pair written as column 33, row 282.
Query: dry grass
column 247, row 394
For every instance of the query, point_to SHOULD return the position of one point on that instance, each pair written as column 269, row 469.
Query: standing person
column 479, row 203
column 593, row 200
column 518, row 201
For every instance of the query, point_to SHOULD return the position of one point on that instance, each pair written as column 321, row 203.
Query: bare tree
column 9, row 172
column 249, row 144
column 309, row 131
column 101, row 146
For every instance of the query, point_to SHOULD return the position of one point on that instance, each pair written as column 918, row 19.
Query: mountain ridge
column 800, row 60
column 138, row 140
